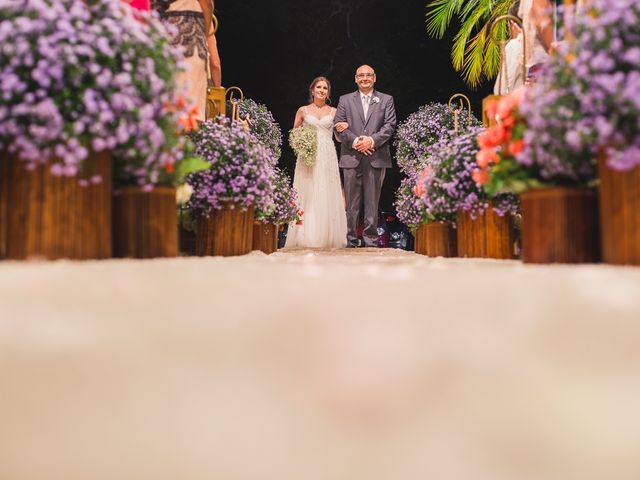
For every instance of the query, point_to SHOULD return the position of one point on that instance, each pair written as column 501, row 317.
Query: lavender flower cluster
column 588, row 97
column 415, row 137
column 607, row 64
column 422, row 129
column 262, row 125
column 77, row 76
column 410, row 208
column 448, row 185
column 284, row 208
column 242, row 169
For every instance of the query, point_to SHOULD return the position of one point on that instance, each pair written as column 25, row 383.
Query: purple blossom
column 79, row 76
column 284, row 206
column 598, row 79
column 448, row 185
column 422, row 129
column 242, row 169
column 262, row 125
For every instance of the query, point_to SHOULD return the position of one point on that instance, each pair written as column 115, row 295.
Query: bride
column 324, row 221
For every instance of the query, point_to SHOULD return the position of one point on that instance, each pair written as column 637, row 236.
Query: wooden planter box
column 145, row 223
column 560, row 225
column 436, row 239
column 265, row 237
column 225, row 232
column 487, row 236
column 43, row 215
column 619, row 214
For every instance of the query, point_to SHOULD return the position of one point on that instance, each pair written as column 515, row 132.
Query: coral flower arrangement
column 586, row 101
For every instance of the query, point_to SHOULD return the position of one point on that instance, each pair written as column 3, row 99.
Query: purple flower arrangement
column 447, row 186
column 409, row 206
column 81, row 76
column 414, row 140
column 588, row 98
column 242, row 169
column 422, row 129
column 606, row 61
column 284, row 207
column 262, row 124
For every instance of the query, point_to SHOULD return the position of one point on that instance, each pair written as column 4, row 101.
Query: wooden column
column 48, row 216
column 487, row 236
column 145, row 223
column 225, row 232
column 560, row 225
column 619, row 214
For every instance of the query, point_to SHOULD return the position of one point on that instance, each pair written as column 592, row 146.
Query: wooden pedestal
column 145, row 223
column 226, row 232
column 42, row 215
column 265, row 237
column 560, row 225
column 436, row 239
column 619, row 214
column 487, row 236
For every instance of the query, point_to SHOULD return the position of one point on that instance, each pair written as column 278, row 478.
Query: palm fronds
column 475, row 51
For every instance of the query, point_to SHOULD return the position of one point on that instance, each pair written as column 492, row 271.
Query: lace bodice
column 323, row 124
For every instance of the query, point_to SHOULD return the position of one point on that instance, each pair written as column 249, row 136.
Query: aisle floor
column 339, row 364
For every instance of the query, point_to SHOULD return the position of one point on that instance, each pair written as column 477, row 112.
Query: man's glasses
column 365, row 75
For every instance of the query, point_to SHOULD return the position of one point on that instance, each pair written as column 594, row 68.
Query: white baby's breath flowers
column 304, row 142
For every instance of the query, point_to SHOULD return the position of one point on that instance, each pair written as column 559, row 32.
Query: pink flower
column 486, row 156
column 139, row 4
column 485, row 142
column 497, row 135
column 480, row 176
column 516, row 147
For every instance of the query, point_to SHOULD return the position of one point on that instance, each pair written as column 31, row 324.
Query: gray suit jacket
column 379, row 125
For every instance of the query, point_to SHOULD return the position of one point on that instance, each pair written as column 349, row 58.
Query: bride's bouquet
column 304, row 142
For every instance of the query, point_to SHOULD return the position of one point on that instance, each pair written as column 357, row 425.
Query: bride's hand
column 341, row 126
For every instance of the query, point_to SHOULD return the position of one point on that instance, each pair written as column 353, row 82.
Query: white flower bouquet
column 304, row 142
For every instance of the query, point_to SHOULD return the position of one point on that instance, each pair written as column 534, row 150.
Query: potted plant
column 283, row 210
column 144, row 214
column 262, row 125
column 450, row 190
column 239, row 181
column 55, row 195
column 414, row 140
column 532, row 151
column 605, row 62
column 84, row 82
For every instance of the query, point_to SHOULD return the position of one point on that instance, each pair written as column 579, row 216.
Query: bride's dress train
column 324, row 221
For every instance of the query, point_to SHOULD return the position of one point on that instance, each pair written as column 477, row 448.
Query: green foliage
column 475, row 51
column 189, row 165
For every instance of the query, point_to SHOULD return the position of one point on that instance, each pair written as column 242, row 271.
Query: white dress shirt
column 365, row 99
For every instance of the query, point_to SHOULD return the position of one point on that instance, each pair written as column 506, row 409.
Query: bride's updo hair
column 313, row 85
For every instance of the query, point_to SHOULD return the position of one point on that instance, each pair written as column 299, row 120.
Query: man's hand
column 364, row 145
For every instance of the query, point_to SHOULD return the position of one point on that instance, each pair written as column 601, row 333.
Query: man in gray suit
column 364, row 151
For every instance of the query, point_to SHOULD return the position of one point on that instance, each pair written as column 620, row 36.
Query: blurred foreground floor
column 319, row 365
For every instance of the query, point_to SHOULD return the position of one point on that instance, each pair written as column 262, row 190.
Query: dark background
column 273, row 49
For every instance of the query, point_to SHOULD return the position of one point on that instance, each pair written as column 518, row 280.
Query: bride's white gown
column 324, row 222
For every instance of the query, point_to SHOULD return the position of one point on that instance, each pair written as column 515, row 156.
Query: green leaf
column 439, row 15
column 189, row 165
